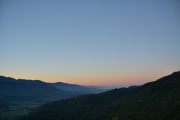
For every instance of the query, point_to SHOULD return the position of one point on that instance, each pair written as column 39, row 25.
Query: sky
column 90, row 42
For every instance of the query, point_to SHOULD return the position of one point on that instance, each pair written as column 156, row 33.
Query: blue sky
column 90, row 42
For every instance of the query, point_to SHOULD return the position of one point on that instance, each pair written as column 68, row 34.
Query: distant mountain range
column 30, row 90
column 158, row 100
column 77, row 88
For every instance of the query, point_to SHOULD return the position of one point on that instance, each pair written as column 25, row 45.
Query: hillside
column 19, row 96
column 26, row 90
column 23, row 90
column 158, row 100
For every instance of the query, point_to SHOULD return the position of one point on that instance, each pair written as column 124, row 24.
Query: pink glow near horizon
column 132, row 79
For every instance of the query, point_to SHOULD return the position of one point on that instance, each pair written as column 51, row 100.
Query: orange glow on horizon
column 90, row 79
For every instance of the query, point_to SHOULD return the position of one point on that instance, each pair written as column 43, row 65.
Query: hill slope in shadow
column 12, row 90
column 158, row 100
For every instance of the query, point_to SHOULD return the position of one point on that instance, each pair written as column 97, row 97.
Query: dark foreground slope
column 159, row 100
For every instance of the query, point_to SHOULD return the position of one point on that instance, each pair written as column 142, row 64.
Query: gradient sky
column 90, row 42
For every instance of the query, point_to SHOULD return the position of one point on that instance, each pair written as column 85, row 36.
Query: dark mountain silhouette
column 77, row 88
column 21, row 90
column 158, row 100
column 26, row 90
column 19, row 96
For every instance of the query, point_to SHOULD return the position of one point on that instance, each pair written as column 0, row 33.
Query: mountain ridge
column 23, row 89
column 157, row 100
